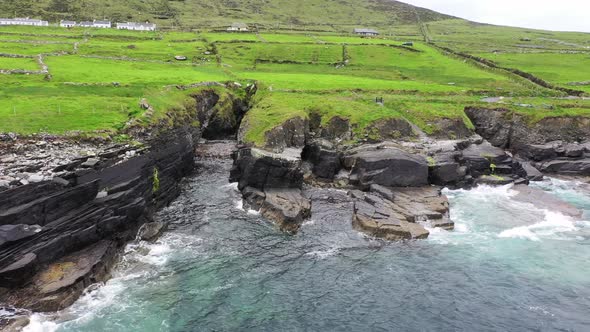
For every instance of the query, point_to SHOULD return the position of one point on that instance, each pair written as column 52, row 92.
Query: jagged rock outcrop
column 103, row 206
column 263, row 170
column 554, row 144
column 293, row 133
column 393, row 128
column 272, row 183
column 324, row 157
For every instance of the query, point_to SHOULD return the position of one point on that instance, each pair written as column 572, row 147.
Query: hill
column 310, row 14
column 90, row 81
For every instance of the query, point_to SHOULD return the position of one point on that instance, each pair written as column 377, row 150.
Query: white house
column 23, row 21
column 239, row 27
column 136, row 26
column 96, row 24
column 103, row 24
column 366, row 32
column 67, row 24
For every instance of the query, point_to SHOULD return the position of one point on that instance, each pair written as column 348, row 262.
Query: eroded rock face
column 324, row 158
column 392, row 129
column 555, row 144
column 76, row 220
column 451, row 129
column 390, row 167
column 150, row 231
column 338, row 128
column 292, row 133
column 261, row 169
column 60, row 283
column 271, row 183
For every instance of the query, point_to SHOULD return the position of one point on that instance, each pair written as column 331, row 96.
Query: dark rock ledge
column 58, row 237
column 554, row 145
column 272, row 184
column 395, row 186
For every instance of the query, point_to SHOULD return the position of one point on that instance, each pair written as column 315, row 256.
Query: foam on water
column 554, row 224
column 323, row 254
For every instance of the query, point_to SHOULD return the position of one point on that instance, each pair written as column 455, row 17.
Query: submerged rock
column 546, row 201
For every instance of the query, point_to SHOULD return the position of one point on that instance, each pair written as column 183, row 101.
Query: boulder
column 90, row 163
column 540, row 152
column 445, row 170
column 287, row 207
column 390, row 167
column 479, row 158
column 574, row 150
column 532, row 174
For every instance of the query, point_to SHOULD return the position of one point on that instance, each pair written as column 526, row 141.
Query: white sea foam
column 40, row 323
column 322, row 254
column 253, row 212
column 551, row 226
column 239, row 204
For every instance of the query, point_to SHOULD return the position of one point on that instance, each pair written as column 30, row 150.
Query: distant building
column 67, row 24
column 96, row 24
column 238, row 27
column 23, row 21
column 366, row 32
column 136, row 26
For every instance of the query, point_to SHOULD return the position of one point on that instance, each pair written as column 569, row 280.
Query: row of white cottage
column 85, row 24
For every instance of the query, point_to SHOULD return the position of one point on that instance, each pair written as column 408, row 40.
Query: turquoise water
column 507, row 266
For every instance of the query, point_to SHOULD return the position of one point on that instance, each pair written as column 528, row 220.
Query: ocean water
column 508, row 266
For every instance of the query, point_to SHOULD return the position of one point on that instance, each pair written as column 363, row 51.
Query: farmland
column 96, row 78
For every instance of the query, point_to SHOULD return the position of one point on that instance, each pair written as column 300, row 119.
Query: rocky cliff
column 61, row 234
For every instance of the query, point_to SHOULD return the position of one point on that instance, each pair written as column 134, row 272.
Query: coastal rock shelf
column 81, row 223
column 395, row 186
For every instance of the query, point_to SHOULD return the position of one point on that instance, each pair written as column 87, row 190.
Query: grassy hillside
column 95, row 78
column 330, row 15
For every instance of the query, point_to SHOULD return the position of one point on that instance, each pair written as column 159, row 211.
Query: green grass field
column 568, row 70
column 18, row 63
column 96, row 88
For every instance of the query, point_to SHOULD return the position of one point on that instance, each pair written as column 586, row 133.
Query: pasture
column 96, row 77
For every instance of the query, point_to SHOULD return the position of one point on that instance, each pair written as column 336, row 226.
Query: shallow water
column 507, row 266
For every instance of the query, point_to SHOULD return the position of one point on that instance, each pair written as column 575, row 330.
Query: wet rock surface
column 400, row 213
column 62, row 235
column 33, row 161
column 544, row 200
column 558, row 145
